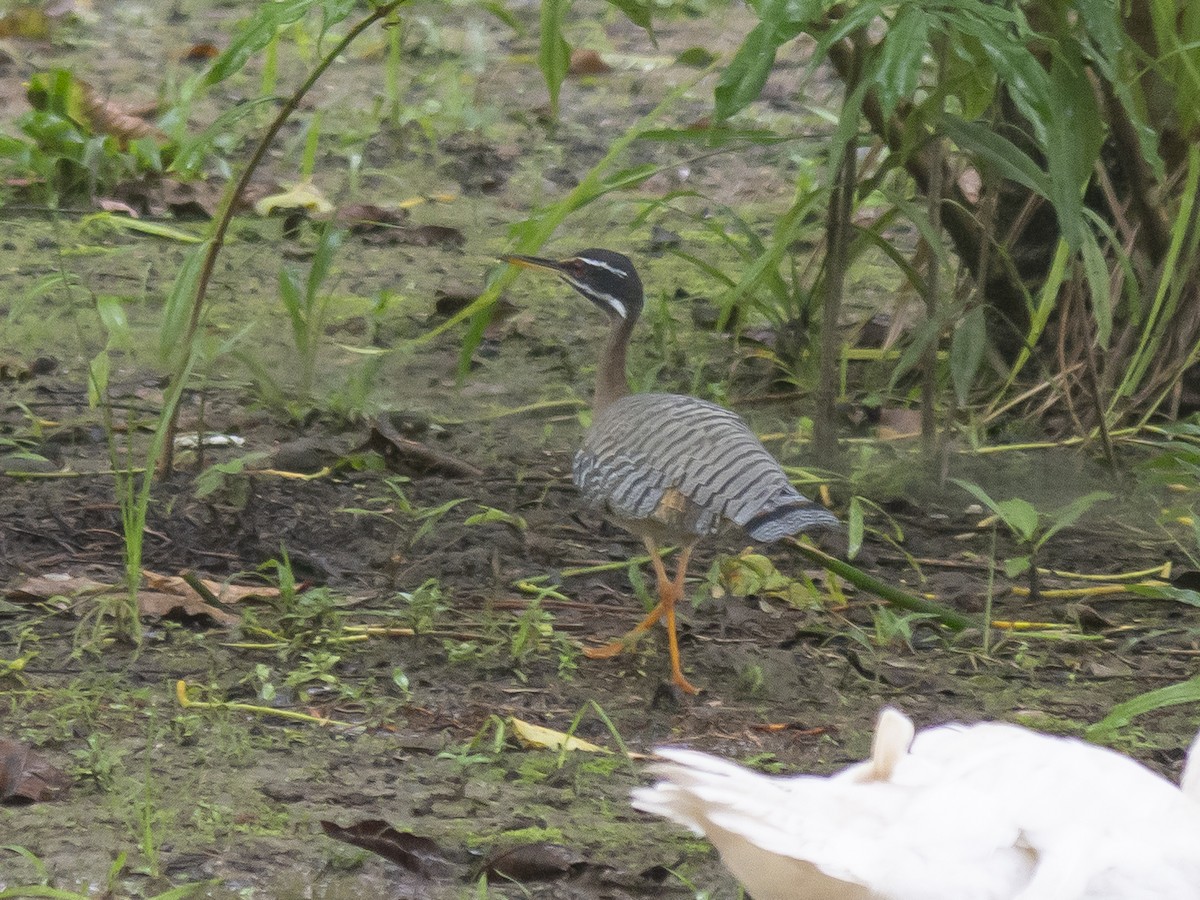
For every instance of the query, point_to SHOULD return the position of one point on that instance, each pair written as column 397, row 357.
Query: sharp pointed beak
column 534, row 262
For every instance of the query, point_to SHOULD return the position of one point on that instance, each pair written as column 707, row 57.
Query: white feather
column 980, row 812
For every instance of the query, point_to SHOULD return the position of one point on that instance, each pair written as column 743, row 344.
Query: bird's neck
column 611, row 381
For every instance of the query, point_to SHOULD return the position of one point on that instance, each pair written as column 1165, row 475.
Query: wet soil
column 792, row 673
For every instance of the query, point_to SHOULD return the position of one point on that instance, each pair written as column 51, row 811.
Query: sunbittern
column 989, row 811
column 667, row 467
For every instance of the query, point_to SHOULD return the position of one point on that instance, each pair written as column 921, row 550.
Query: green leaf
column 696, row 57
column 1070, row 513
column 183, row 291
column 98, row 370
column 1019, row 515
column 1166, row 592
column 997, row 152
column 491, row 514
column 1096, row 271
column 255, row 35
column 968, row 76
column 744, row 77
column 1016, row 566
column 554, row 55
column 978, row 493
column 855, row 525
column 966, row 351
column 638, row 12
column 331, row 240
column 1124, row 713
column 112, row 316
column 1073, row 137
column 107, row 220
column 901, row 57
column 293, row 302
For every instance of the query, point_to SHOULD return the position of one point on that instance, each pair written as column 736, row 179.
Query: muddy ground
column 793, row 672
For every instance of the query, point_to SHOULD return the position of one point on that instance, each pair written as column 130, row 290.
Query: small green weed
column 1032, row 529
column 63, row 152
column 98, row 762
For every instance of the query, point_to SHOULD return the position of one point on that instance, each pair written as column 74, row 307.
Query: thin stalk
column 989, row 597
column 932, row 286
column 837, row 239
column 221, row 223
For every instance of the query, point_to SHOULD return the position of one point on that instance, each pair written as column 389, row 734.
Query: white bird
column 963, row 812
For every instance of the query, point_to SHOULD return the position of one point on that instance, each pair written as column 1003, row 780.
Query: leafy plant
column 76, row 146
column 185, row 304
column 530, row 632
column 307, row 305
column 1032, row 529
column 397, row 506
column 1023, row 97
column 1160, row 698
column 423, row 606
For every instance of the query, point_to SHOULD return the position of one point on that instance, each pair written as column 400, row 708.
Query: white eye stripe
column 601, row 264
column 590, row 292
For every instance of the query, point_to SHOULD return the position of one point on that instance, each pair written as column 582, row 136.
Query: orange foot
column 609, row 650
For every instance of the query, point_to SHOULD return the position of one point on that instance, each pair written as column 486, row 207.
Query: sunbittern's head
column 605, row 277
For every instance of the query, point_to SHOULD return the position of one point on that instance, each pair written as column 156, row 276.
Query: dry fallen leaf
column 109, row 117
column 26, row 776
column 201, row 52
column 87, row 108
column 587, row 62
column 226, row 593
column 165, row 595
column 538, row 737
column 119, row 206
column 418, row 236
column 420, row 855
column 158, row 605
column 534, row 862
column 361, row 217
column 897, row 423
column 304, row 196
column 45, row 587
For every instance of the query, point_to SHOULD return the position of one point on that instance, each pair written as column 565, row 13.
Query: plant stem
column 225, row 216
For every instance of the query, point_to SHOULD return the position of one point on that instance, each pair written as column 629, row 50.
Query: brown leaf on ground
column 166, row 595
column 26, row 776
column 534, row 862
column 44, row 587
column 417, row 854
column 363, row 217
column 201, row 52
column 120, row 206
column 193, row 199
column 404, row 453
column 226, row 593
column 418, row 236
column 587, row 62
column 106, row 116
column 158, row 605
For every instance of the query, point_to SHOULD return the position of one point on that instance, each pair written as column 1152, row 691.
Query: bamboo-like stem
column 952, row 619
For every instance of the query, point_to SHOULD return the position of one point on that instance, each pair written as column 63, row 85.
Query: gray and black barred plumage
column 644, row 449
column 669, row 468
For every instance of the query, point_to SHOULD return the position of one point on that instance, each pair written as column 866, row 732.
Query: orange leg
column 670, row 591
